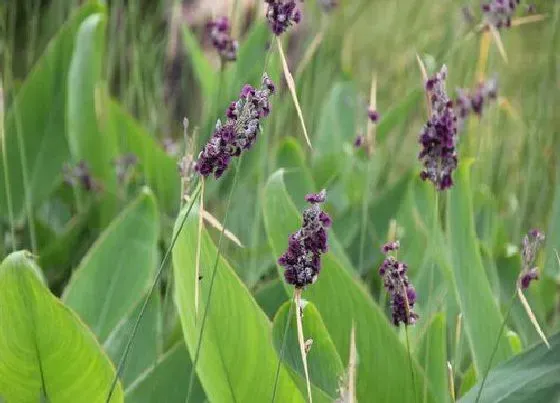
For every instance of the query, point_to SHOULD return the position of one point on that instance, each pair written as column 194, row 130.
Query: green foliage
column 46, row 349
column 120, row 273
column 323, row 362
column 532, row 376
column 481, row 314
column 336, row 287
column 233, row 319
column 99, row 81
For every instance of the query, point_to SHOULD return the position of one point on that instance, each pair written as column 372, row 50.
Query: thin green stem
column 211, row 287
column 412, row 378
column 277, row 375
column 122, row 360
column 502, row 327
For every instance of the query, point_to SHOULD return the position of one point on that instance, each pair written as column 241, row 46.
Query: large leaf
column 343, row 301
column 482, row 318
column 38, row 115
column 533, row 376
column 159, row 169
column 433, row 357
column 118, row 268
column 88, row 138
column 144, row 350
column 167, row 381
column 324, row 364
column 246, row 372
column 45, row 350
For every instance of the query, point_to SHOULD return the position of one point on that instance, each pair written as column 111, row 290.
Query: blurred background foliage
column 123, row 83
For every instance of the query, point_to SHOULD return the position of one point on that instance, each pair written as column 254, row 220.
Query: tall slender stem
column 301, row 340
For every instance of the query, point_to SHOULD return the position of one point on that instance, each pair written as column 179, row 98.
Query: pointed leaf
column 342, row 300
column 118, row 268
column 42, row 342
column 324, row 363
column 38, row 113
column 481, row 315
column 243, row 373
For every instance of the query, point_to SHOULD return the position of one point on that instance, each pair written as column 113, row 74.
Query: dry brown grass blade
column 299, row 325
column 531, row 315
column 292, row 87
column 352, row 363
column 310, row 52
column 498, row 39
column 198, row 247
column 216, row 224
column 528, row 19
column 424, row 79
column 483, row 52
column 451, row 382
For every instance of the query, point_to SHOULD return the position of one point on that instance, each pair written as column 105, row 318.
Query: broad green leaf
column 166, row 381
column 433, row 358
column 234, row 319
column 38, row 113
column 45, row 349
column 118, row 268
column 145, row 348
column 533, row 376
column 159, row 169
column 343, row 301
column 270, row 296
column 88, row 138
column 323, row 362
column 552, row 263
column 203, row 70
column 481, row 315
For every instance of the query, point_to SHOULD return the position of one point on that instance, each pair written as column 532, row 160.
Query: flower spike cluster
column 220, row 35
column 239, row 132
column 302, row 259
column 439, row 135
column 281, row 14
column 399, row 288
column 468, row 102
column 530, row 246
column 499, row 12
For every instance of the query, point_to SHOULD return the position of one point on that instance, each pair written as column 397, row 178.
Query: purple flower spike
column 239, row 132
column 529, row 249
column 499, row 12
column 302, row 259
column 220, row 35
column 475, row 101
column 401, row 292
column 314, row 198
column 439, row 135
column 281, row 14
